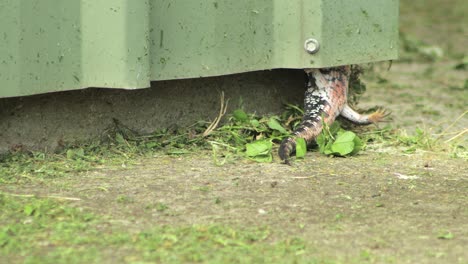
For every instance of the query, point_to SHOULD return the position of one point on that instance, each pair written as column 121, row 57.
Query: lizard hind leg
column 361, row 119
column 324, row 99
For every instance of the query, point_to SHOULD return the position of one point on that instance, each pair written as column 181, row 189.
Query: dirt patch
column 390, row 206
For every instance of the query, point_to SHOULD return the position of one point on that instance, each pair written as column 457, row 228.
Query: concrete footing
column 40, row 122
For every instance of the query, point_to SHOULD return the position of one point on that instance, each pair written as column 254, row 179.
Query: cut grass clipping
column 36, row 230
column 242, row 136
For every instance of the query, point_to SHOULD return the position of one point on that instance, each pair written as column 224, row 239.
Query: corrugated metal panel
column 55, row 45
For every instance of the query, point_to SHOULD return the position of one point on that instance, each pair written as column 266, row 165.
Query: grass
column 38, row 230
column 41, row 230
column 242, row 136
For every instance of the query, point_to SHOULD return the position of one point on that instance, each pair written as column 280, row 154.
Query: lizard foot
column 379, row 116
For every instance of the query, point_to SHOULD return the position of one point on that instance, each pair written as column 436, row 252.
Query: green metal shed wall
column 55, row 45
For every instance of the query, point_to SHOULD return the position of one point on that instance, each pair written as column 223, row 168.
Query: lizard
column 325, row 100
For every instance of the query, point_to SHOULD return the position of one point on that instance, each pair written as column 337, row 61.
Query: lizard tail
column 308, row 130
column 288, row 146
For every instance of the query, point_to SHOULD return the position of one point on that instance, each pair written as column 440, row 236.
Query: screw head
column 312, row 46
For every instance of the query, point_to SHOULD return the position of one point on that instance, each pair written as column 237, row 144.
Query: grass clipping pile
column 241, row 135
column 246, row 134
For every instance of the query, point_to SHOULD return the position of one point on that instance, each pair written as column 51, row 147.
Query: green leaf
column 321, row 142
column 263, row 158
column 301, row 147
column 258, row 148
column 463, row 65
column 120, row 139
column 29, row 210
column 151, row 145
column 260, row 151
column 240, row 115
column 325, row 143
column 335, row 128
column 4, row 236
column 445, row 235
column 275, row 125
column 357, row 145
column 344, row 143
column 254, row 122
column 338, row 142
column 75, row 153
column 328, row 149
column 80, row 152
column 70, row 154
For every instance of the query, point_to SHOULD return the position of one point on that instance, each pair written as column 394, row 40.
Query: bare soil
column 395, row 207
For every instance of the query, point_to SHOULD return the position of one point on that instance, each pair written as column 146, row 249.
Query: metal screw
column 312, row 46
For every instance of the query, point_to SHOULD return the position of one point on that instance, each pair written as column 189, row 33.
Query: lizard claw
column 379, row 115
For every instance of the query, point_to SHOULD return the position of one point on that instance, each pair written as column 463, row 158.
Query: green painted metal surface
column 55, row 45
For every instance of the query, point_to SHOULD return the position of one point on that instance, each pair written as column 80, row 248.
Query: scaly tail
column 325, row 98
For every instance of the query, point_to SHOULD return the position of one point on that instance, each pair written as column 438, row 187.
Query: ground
column 389, row 204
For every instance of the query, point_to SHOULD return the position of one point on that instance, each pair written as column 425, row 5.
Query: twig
column 447, row 133
column 457, row 136
column 222, row 112
column 451, row 125
column 292, row 119
column 222, row 144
